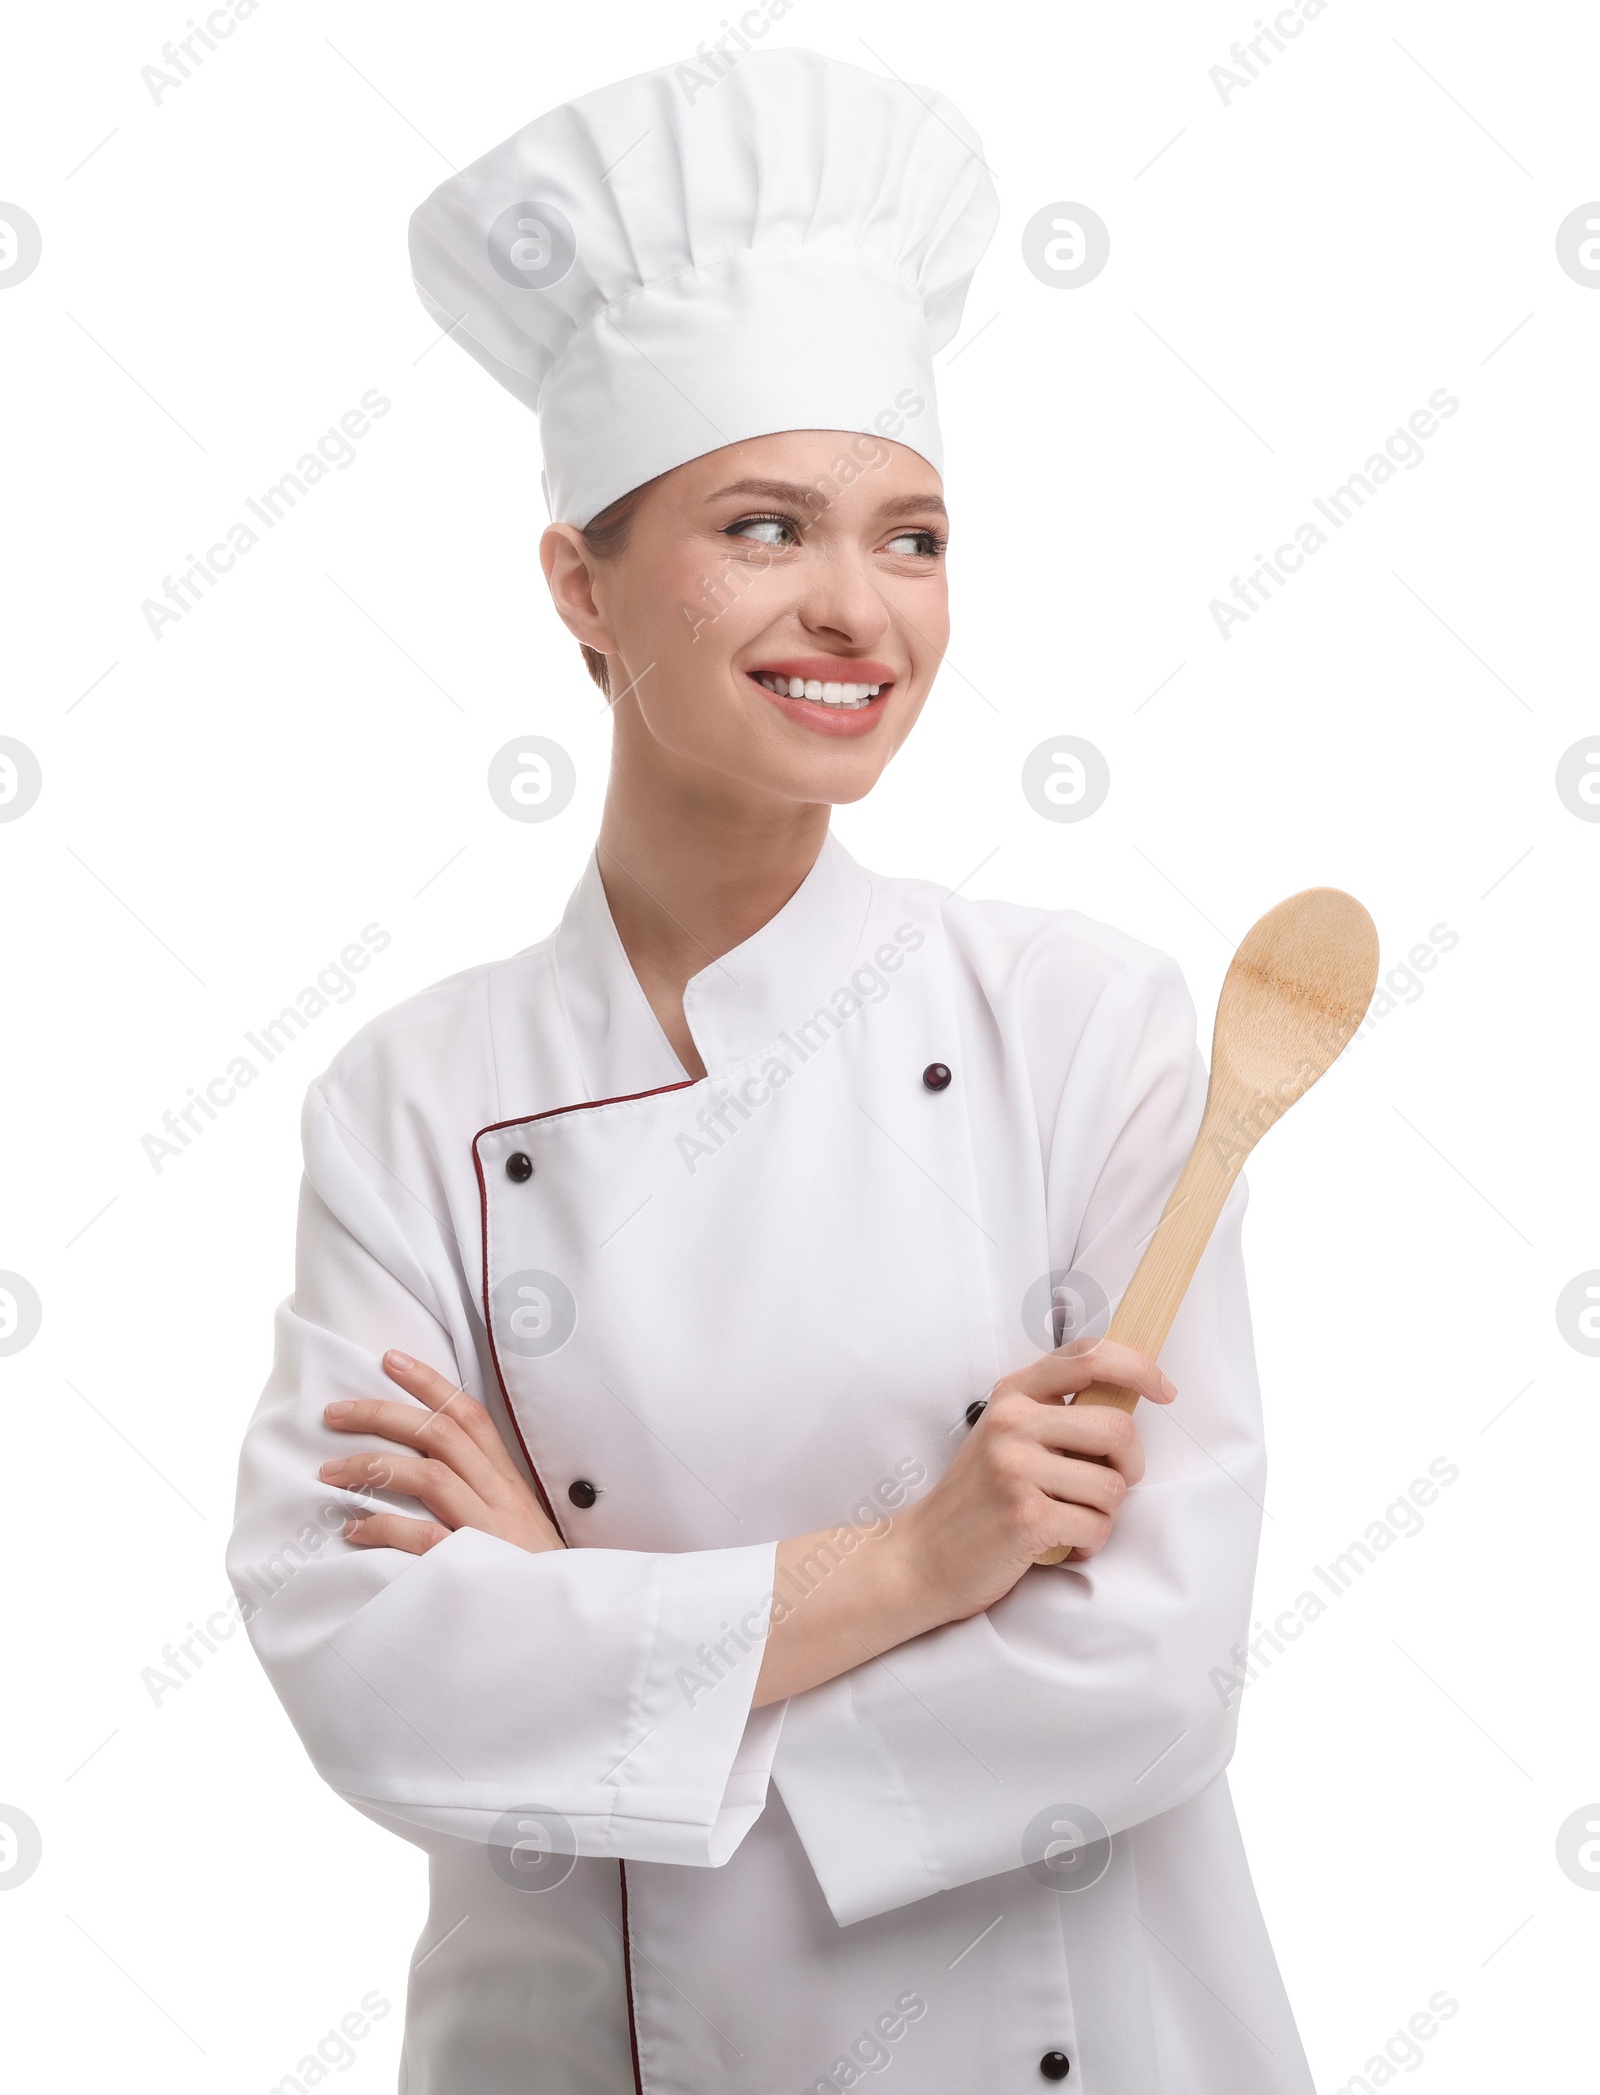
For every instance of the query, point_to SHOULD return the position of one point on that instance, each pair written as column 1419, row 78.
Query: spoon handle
column 1150, row 1301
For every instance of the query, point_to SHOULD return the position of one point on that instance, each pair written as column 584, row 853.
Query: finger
column 1094, row 1432
column 1093, row 1484
column 1083, row 1531
column 440, row 1394
column 433, row 1433
column 434, row 1484
column 395, row 1531
column 429, row 1386
column 1066, row 1371
column 1097, row 1432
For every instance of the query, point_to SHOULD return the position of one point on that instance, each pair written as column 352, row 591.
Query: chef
column 642, row 1511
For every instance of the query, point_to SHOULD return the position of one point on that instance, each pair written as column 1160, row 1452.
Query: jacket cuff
column 858, row 1824
column 618, row 1700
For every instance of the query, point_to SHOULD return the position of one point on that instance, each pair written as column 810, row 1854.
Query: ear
column 571, row 571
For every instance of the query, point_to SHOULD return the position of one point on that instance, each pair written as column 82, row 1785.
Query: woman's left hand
column 460, row 1470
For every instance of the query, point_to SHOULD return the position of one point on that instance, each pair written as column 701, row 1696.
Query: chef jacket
column 705, row 1315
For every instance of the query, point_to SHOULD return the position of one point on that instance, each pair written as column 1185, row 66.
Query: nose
column 841, row 604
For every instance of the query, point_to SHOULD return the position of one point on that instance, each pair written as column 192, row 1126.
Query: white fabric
column 787, row 1290
column 781, row 247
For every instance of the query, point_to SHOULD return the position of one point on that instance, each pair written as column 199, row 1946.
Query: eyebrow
column 805, row 497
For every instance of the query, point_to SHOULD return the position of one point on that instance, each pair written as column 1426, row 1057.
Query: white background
column 1292, row 273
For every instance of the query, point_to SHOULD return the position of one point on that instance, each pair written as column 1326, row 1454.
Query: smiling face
column 774, row 618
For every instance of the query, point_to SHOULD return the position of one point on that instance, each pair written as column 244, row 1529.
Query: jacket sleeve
column 1090, row 1685
column 439, row 1692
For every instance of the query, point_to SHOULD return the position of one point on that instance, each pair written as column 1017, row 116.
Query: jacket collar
column 735, row 1006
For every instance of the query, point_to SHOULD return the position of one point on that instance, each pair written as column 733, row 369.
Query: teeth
column 820, row 693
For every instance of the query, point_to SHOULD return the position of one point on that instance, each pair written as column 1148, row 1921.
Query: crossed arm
column 1034, row 1473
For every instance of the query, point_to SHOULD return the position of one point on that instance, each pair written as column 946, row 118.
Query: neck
column 693, row 866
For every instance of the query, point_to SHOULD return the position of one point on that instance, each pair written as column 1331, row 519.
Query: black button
column 976, row 1409
column 936, row 1076
column 1055, row 2065
column 519, row 1166
column 582, row 1493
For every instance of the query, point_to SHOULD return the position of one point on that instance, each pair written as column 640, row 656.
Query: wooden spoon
column 1298, row 987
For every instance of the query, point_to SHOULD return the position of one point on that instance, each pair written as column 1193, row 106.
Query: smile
column 817, row 690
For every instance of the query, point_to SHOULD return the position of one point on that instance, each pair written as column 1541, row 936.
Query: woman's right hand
column 1034, row 1473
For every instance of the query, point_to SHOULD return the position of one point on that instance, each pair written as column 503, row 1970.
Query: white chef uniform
column 741, row 1308
column 707, row 1315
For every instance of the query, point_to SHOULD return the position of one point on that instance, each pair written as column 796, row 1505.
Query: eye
column 923, row 545
column 765, row 530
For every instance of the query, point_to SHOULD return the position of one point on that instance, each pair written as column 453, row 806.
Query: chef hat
column 696, row 256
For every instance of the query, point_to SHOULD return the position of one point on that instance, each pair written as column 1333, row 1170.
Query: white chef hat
column 693, row 257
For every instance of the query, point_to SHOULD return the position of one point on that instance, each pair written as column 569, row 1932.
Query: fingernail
column 395, row 1359
column 339, row 1410
column 1169, row 1388
column 351, row 1528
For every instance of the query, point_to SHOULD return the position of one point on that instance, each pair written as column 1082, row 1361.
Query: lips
column 835, row 681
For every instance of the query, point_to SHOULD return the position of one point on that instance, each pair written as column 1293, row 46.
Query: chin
column 838, row 784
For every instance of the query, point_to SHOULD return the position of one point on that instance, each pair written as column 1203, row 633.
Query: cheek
column 682, row 617
column 648, row 592
column 919, row 609
column 937, row 624
column 920, row 606
column 696, row 607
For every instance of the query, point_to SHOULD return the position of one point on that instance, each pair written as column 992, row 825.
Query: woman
column 669, row 1413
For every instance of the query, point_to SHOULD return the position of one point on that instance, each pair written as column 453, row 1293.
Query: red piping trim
column 527, row 1120
column 627, row 1972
